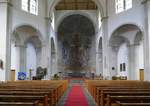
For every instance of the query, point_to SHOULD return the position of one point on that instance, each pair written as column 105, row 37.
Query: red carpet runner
column 76, row 97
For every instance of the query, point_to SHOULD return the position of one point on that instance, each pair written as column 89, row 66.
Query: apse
column 76, row 37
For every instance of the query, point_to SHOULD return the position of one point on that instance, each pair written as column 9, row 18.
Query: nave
column 71, row 52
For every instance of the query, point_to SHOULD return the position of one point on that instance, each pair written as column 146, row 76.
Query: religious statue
column 1, row 65
column 40, row 73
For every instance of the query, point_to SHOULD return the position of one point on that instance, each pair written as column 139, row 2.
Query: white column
column 38, row 55
column 5, row 40
column 113, row 54
column 45, row 53
column 99, row 63
column 22, row 58
column 147, row 40
column 44, row 56
column 105, row 46
column 131, row 70
column 45, row 59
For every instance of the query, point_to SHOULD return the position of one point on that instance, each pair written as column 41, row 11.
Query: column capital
column 144, row 1
column 48, row 19
column 6, row 2
column 131, row 45
column 104, row 18
column 19, row 45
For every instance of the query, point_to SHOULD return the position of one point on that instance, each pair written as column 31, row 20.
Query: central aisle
column 76, row 94
column 76, row 97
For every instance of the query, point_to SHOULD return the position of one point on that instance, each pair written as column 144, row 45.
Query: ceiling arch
column 60, row 19
column 27, row 33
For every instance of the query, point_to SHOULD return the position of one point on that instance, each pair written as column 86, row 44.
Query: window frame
column 122, row 5
column 31, row 8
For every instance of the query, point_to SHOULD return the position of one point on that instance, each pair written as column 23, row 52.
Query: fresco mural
column 76, row 36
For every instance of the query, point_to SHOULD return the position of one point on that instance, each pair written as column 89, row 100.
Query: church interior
column 74, row 52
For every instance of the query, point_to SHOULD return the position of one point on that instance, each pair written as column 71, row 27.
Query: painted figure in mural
column 65, row 52
column 76, row 52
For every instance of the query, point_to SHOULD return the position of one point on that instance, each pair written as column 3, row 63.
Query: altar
column 76, row 74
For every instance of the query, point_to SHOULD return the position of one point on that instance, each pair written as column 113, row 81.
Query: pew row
column 99, row 89
column 36, row 103
column 53, row 89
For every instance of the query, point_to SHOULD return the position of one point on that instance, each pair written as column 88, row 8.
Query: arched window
column 30, row 6
column 122, row 5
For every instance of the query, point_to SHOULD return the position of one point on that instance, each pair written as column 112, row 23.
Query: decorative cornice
column 103, row 18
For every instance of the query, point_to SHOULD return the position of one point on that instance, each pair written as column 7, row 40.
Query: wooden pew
column 24, row 98
column 98, row 87
column 54, row 89
column 113, row 99
column 100, row 90
column 93, row 85
column 36, row 103
column 122, row 93
column 118, row 103
column 29, row 93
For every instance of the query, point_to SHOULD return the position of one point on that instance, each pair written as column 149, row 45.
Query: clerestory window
column 30, row 6
column 123, row 5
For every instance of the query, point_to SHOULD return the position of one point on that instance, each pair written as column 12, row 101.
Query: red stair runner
column 76, row 97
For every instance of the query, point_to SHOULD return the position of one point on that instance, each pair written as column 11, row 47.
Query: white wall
column 20, row 17
column 135, row 15
column 31, row 59
column 123, row 58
